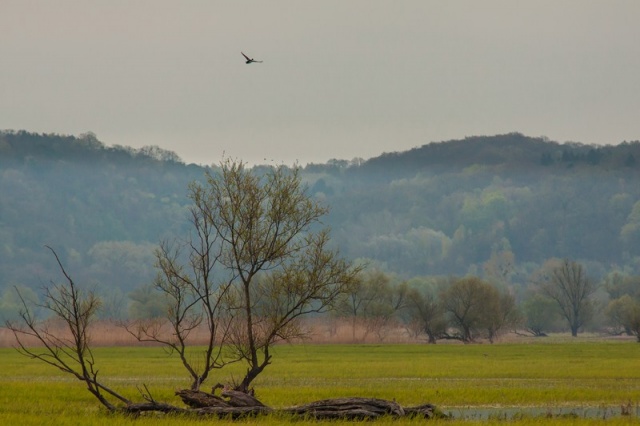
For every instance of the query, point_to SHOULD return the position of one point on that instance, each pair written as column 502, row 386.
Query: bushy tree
column 426, row 311
column 624, row 314
column 477, row 309
column 372, row 302
column 540, row 314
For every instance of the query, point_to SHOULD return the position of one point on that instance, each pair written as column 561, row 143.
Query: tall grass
column 450, row 376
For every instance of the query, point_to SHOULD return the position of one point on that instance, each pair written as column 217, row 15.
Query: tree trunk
column 574, row 330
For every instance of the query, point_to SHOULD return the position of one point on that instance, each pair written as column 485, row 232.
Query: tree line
column 497, row 208
column 561, row 298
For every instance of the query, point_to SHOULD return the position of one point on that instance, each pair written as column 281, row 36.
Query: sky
column 340, row 79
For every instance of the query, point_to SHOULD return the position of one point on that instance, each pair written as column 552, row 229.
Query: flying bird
column 250, row 60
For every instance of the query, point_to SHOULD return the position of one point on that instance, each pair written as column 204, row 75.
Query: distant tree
column 145, row 303
column 11, row 301
column 567, row 284
column 500, row 267
column 372, row 302
column 425, row 309
column 160, row 154
column 624, row 315
column 630, row 231
column 506, row 317
column 540, row 314
column 618, row 284
column 476, row 308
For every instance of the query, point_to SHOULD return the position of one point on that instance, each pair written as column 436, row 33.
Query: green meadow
column 460, row 379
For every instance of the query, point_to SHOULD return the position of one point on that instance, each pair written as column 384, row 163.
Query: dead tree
column 70, row 351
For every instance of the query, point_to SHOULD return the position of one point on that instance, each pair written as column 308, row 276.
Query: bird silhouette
column 250, row 60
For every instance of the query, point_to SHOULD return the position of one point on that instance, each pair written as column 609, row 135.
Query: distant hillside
column 448, row 207
column 443, row 208
column 512, row 151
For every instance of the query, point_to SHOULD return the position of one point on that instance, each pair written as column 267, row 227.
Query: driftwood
column 236, row 404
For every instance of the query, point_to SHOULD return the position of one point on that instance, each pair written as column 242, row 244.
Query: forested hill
column 443, row 208
column 448, row 207
column 511, row 152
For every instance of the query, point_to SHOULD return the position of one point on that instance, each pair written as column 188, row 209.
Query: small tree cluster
column 465, row 309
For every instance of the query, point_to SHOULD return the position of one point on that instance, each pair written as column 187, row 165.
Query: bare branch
column 73, row 354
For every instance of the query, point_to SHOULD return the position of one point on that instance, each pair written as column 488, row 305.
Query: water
column 509, row 413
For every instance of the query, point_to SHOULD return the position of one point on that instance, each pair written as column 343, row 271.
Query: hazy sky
column 340, row 78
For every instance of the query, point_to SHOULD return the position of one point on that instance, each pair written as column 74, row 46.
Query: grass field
column 460, row 379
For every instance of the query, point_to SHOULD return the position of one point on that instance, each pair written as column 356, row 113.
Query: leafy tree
column 500, row 267
column 371, row 302
column 567, row 284
column 146, row 303
column 476, row 308
column 264, row 245
column 618, row 284
column 540, row 314
column 624, row 314
column 11, row 302
column 630, row 232
column 506, row 316
column 426, row 310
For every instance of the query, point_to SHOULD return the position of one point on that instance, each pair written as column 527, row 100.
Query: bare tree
column 67, row 350
column 567, row 284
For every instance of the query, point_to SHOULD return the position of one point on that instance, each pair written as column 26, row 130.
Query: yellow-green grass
column 453, row 377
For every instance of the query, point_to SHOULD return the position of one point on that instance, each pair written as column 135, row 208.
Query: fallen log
column 348, row 408
column 240, row 405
